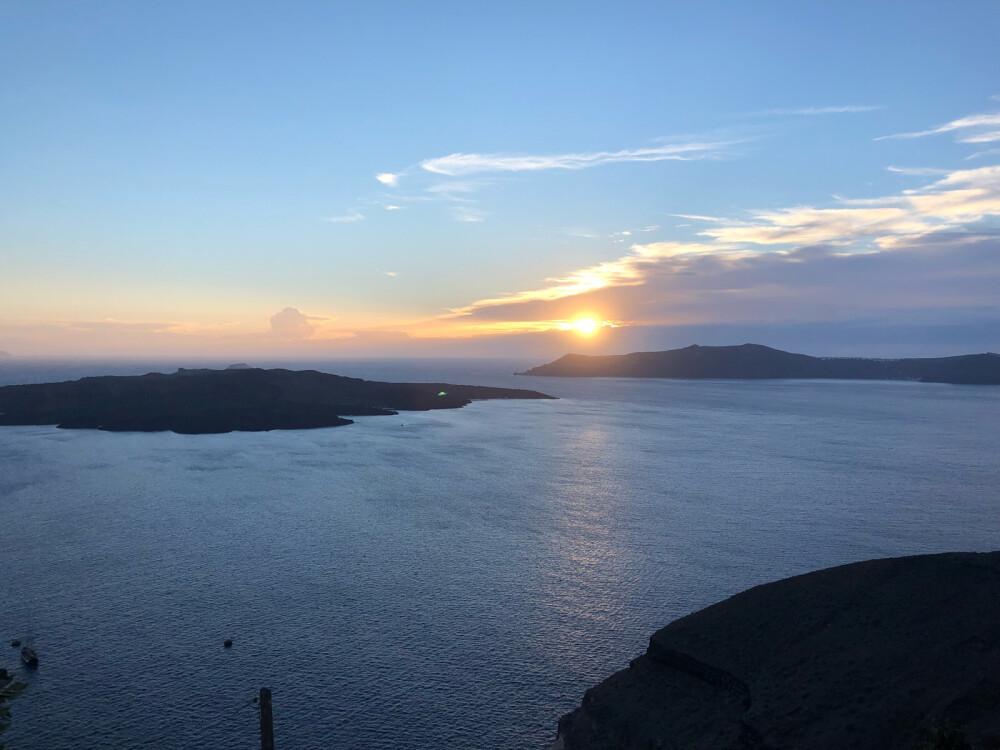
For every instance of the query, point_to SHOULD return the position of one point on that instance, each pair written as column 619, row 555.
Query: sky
column 498, row 179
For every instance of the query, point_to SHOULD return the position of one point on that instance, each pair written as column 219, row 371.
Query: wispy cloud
column 468, row 214
column 981, row 154
column 959, row 198
column 457, row 165
column 349, row 218
column 962, row 124
column 621, row 235
column 988, row 136
column 776, row 259
column 454, row 178
column 625, row 271
column 918, row 171
column 805, row 225
column 457, row 191
column 361, row 210
column 702, row 217
column 834, row 110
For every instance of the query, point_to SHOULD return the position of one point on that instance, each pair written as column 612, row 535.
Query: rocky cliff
column 891, row 654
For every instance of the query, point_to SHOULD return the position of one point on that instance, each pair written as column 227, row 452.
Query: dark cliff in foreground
column 879, row 655
column 753, row 361
column 212, row 401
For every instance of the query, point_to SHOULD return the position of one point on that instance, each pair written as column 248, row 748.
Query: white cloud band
column 970, row 122
column 455, row 165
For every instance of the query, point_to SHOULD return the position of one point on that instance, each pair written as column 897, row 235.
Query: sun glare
column 584, row 326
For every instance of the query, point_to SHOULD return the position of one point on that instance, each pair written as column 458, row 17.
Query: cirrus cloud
column 350, row 217
column 458, row 164
column 834, row 110
column 978, row 125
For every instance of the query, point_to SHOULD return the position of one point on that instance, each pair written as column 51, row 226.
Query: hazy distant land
column 238, row 398
column 754, row 361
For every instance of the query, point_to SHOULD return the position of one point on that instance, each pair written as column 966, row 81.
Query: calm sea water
column 451, row 579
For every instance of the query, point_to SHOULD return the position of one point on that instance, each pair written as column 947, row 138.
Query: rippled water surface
column 449, row 579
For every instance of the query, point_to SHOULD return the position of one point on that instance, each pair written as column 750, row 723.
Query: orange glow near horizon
column 286, row 331
column 454, row 328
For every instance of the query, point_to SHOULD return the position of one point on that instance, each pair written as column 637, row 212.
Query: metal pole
column 266, row 720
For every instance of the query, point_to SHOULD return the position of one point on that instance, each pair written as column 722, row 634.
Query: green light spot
column 442, row 393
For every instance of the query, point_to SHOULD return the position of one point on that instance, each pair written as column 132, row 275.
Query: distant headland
column 5, row 355
column 754, row 361
column 237, row 398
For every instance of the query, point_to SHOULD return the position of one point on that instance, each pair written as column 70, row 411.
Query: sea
column 444, row 579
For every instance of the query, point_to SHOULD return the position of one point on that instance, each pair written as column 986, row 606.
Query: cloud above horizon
column 959, row 198
column 765, row 262
column 779, row 259
column 982, row 128
column 348, row 218
column 834, row 110
column 674, row 286
column 466, row 165
column 291, row 324
column 460, row 165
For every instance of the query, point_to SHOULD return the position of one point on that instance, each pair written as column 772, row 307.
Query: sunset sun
column 585, row 326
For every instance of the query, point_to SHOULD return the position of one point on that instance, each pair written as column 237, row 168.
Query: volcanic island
column 203, row 401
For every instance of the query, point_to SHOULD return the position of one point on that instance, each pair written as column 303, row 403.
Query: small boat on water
column 28, row 656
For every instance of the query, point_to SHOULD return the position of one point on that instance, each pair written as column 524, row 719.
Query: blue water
column 449, row 579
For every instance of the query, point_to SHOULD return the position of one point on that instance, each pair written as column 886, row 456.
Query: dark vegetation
column 9, row 690
column 753, row 361
column 942, row 735
column 213, row 401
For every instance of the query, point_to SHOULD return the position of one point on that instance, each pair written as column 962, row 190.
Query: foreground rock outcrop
column 879, row 655
column 241, row 398
column 754, row 361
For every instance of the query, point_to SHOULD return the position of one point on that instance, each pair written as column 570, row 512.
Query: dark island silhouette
column 890, row 654
column 754, row 361
column 240, row 398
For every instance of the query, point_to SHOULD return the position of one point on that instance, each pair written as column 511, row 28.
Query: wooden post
column 266, row 720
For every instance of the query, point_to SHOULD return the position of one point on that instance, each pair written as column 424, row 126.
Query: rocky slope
column 753, row 361
column 877, row 655
column 212, row 401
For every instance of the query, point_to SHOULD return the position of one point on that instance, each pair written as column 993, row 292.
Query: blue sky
column 202, row 177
